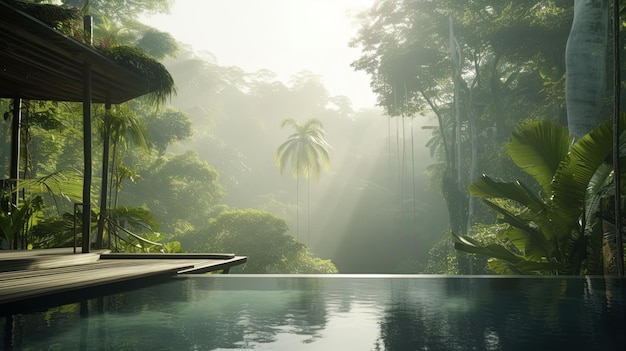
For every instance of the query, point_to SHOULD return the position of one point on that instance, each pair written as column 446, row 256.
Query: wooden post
column 88, row 23
column 14, row 168
column 15, row 142
column 619, row 245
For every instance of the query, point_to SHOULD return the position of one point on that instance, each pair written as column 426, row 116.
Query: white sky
column 284, row 36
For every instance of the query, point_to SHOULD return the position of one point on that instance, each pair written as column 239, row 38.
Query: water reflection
column 352, row 313
column 505, row 314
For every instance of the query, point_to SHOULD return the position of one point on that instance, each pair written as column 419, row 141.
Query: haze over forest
column 354, row 212
column 423, row 109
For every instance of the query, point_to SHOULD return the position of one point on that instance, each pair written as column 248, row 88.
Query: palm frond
column 135, row 216
column 64, row 184
column 306, row 149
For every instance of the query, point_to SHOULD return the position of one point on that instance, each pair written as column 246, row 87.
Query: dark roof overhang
column 38, row 62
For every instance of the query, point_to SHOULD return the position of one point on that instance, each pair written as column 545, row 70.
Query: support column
column 86, row 227
column 14, row 171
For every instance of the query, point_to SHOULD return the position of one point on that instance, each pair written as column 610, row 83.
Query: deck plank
column 32, row 279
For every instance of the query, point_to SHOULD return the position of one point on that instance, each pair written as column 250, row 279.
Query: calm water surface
column 336, row 313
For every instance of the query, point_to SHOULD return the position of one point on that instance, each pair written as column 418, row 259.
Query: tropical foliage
column 474, row 66
column 19, row 215
column 466, row 64
column 556, row 232
column 134, row 139
column 260, row 236
column 472, row 73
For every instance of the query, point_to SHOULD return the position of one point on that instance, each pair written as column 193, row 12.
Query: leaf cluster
column 260, row 236
column 51, row 15
column 552, row 232
column 159, row 80
column 306, row 149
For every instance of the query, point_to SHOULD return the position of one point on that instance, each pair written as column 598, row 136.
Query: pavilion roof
column 38, row 62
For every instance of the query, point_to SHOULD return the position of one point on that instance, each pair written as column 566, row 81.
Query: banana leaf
column 537, row 148
column 467, row 244
column 487, row 188
column 515, row 263
column 574, row 174
column 539, row 238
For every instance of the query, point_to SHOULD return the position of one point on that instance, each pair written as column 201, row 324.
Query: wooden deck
column 32, row 274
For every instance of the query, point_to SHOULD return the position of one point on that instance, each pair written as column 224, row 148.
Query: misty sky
column 284, row 36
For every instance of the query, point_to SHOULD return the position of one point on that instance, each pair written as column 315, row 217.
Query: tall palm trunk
column 398, row 155
column 298, row 208
column 308, row 152
column 414, row 232
column 308, row 211
column 402, row 166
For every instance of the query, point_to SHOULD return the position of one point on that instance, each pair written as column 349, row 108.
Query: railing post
column 76, row 205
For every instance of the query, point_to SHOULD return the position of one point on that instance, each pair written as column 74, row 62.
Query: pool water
column 220, row 312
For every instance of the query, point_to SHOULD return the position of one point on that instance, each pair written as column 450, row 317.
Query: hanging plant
column 158, row 79
column 52, row 15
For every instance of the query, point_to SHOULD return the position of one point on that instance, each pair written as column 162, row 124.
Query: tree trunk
column 298, row 208
column 619, row 245
column 609, row 258
column 585, row 62
column 455, row 56
column 105, row 173
column 308, row 211
column 414, row 232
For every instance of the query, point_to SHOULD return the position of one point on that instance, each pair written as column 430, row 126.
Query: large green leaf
column 599, row 186
column 540, row 238
column 515, row 263
column 544, row 236
column 574, row 174
column 470, row 245
column 487, row 188
column 538, row 147
column 491, row 250
column 533, row 247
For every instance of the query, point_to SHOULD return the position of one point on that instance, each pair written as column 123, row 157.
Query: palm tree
column 117, row 128
column 110, row 34
column 307, row 150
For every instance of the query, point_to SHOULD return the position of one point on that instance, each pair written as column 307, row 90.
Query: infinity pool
column 219, row 312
